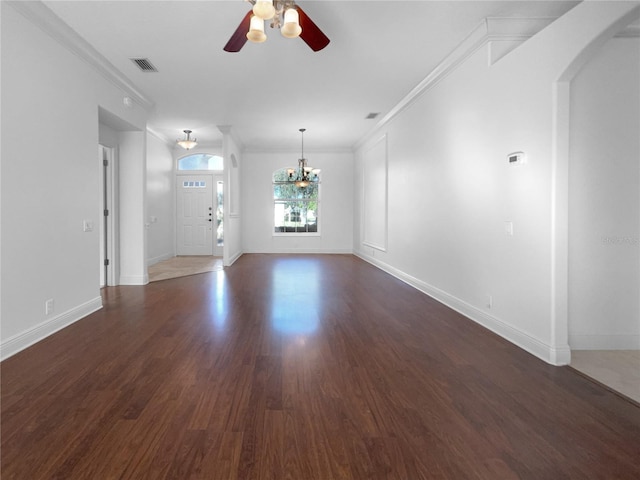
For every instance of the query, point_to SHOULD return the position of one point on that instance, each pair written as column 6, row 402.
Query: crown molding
column 228, row 130
column 159, row 136
column 41, row 16
column 491, row 29
column 288, row 150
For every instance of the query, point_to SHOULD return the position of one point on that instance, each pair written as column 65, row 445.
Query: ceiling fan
column 285, row 15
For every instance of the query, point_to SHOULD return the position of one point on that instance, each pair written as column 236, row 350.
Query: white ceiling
column 379, row 51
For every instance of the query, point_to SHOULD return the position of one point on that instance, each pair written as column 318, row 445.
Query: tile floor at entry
column 617, row 369
column 184, row 265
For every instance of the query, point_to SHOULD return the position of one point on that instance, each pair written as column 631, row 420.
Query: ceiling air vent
column 372, row 115
column 144, row 64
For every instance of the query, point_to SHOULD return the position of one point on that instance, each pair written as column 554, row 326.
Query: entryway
column 183, row 266
column 200, row 215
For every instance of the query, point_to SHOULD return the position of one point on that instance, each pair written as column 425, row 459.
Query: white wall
column 107, row 136
column 336, row 208
column 160, row 201
column 604, row 200
column 133, row 213
column 232, row 200
column 49, row 184
column 450, row 189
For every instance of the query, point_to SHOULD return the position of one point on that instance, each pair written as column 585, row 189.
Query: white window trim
column 317, row 233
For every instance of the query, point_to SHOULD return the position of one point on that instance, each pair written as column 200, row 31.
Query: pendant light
column 305, row 175
column 187, row 142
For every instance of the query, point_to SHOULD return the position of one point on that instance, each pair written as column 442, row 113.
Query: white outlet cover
column 508, row 228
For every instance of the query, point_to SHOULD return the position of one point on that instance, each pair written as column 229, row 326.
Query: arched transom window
column 200, row 161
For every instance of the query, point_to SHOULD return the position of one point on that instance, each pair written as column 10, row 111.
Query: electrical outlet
column 489, row 301
column 48, row 306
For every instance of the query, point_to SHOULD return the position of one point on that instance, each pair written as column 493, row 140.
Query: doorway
column 603, row 212
column 199, row 215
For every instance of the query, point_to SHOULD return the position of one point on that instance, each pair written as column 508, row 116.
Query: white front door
column 195, row 214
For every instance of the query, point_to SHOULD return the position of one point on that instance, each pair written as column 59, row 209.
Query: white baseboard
column 25, row 339
column 233, row 259
column 553, row 355
column 134, row 279
column 306, row 251
column 604, row 342
column 160, row 258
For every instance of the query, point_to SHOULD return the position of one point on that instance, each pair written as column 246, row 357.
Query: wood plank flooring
column 300, row 367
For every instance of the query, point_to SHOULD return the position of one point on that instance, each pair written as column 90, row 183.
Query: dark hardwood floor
column 300, row 367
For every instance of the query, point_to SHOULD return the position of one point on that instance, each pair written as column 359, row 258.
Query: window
column 220, row 213
column 201, row 161
column 192, row 184
column 295, row 208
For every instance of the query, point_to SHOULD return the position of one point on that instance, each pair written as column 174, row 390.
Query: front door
column 195, row 215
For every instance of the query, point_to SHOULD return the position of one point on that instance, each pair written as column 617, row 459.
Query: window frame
column 274, row 200
column 190, row 154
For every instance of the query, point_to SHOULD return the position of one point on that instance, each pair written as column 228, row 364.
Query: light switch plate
column 508, row 228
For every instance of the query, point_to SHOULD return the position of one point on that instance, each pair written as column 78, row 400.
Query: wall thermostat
column 516, row 158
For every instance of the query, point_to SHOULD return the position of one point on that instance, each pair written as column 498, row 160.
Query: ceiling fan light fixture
column 256, row 30
column 291, row 27
column 285, row 15
column 264, row 9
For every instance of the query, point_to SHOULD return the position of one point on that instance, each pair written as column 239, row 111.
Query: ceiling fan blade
column 311, row 33
column 239, row 37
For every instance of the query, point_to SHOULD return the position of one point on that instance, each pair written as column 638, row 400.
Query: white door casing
column 195, row 214
column 108, row 214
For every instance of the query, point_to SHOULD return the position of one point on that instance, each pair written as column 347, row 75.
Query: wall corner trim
column 154, row 133
column 25, row 339
column 228, row 130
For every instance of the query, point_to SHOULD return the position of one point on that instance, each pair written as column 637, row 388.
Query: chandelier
column 305, row 174
column 283, row 15
column 187, row 142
